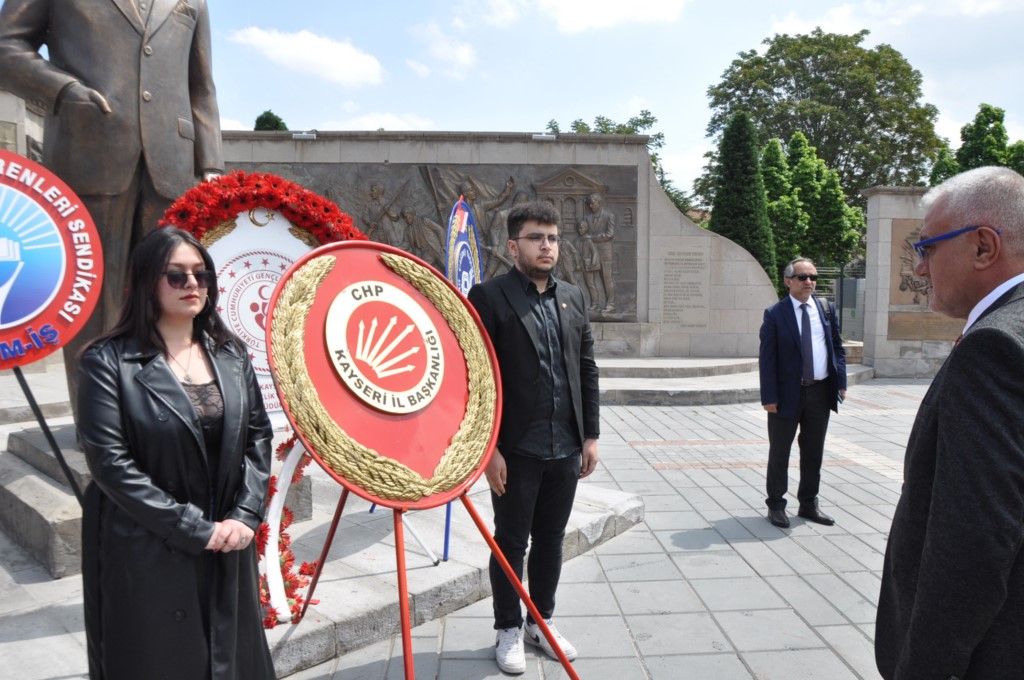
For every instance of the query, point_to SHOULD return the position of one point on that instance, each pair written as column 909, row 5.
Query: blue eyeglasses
column 923, row 247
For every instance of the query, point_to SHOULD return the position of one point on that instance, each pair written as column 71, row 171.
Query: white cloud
column 378, row 120
column 851, row 17
column 577, row 16
column 308, row 53
column 458, row 57
column 500, row 13
column 232, row 124
column 422, row 70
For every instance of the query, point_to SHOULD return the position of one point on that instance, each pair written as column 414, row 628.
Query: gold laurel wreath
column 379, row 475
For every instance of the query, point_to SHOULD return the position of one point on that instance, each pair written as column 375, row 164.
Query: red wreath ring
column 205, row 207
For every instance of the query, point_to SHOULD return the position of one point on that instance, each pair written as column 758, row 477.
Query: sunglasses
column 804, row 277
column 205, row 278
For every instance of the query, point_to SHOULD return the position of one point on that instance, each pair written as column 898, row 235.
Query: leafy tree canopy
column 860, row 108
column 268, row 120
column 637, row 125
column 983, row 141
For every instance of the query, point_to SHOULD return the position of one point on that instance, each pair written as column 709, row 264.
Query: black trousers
column 812, row 420
column 535, row 508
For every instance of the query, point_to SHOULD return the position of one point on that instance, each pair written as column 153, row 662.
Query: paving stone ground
column 704, row 588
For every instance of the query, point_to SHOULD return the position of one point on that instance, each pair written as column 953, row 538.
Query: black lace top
column 209, row 405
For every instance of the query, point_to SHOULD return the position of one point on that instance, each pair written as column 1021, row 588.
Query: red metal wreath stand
column 403, row 587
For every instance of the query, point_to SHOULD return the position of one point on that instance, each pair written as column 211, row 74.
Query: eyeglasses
column 804, row 277
column 538, row 239
column 924, row 247
column 205, row 278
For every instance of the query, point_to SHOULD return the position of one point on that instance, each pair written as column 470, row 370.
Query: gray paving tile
column 656, row 597
column 691, row 539
column 806, row 664
column 656, row 567
column 712, row 564
column 808, row 603
column 731, row 594
column 767, row 629
column 856, row 650
column 677, row 634
column 698, row 666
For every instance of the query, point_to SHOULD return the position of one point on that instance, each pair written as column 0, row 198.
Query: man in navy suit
column 803, row 377
column 952, row 596
column 549, row 422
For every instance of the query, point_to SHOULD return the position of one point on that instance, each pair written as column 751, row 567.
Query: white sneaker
column 509, row 652
column 535, row 637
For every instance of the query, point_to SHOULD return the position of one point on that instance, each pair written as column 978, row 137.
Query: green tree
column 1015, row 157
column 861, row 109
column 739, row 212
column 944, row 167
column 834, row 229
column 637, row 125
column 268, row 120
column 785, row 211
column 983, row 141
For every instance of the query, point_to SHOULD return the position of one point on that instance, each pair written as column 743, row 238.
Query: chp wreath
column 209, row 212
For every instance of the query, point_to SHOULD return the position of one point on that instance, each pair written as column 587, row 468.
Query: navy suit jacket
column 504, row 310
column 781, row 357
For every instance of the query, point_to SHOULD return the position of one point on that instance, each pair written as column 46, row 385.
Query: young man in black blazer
column 549, row 422
column 952, row 597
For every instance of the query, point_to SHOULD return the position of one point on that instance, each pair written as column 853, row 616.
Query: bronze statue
column 132, row 116
column 596, row 231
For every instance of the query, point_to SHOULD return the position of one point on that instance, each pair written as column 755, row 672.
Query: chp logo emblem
column 384, row 347
column 246, row 283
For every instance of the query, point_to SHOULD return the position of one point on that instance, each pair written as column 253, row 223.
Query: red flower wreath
column 220, row 200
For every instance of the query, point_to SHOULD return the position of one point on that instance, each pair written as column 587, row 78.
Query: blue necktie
column 805, row 345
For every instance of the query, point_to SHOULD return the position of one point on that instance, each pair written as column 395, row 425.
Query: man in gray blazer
column 132, row 115
column 952, row 598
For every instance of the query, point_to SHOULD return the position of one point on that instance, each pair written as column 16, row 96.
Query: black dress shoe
column 778, row 518
column 816, row 515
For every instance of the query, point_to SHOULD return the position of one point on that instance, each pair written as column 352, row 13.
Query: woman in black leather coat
column 178, row 443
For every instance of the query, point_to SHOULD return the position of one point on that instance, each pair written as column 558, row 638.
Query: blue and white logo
column 32, row 258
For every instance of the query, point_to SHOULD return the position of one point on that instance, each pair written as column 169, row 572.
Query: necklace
column 187, row 378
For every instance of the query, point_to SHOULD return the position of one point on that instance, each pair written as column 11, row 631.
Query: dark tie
column 805, row 344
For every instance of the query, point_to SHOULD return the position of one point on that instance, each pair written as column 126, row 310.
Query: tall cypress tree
column 785, row 211
column 739, row 212
column 833, row 228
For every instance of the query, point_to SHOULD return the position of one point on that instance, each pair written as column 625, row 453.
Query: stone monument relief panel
column 408, row 206
column 909, row 316
column 686, row 289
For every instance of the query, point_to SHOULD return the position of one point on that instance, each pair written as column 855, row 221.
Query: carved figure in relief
column 596, row 233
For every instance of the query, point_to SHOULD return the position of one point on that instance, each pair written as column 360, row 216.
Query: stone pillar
column 902, row 337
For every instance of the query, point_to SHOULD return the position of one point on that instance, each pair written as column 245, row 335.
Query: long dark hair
column 141, row 307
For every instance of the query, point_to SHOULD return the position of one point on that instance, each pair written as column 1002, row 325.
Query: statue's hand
column 85, row 95
column 211, row 174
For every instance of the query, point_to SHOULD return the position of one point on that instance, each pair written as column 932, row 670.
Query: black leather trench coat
column 157, row 605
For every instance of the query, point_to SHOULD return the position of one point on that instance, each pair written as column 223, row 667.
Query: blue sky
column 512, row 65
